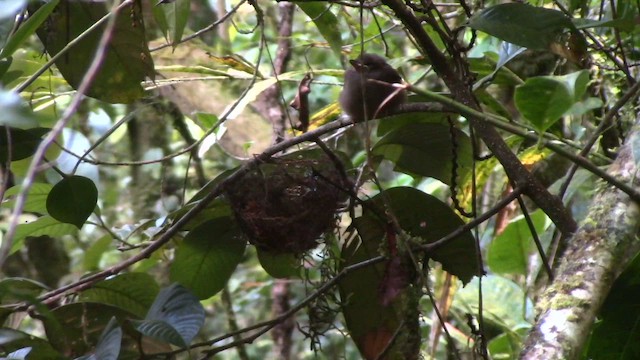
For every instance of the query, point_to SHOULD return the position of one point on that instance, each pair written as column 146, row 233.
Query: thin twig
column 38, row 156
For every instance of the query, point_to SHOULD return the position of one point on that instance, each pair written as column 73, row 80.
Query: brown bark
column 461, row 91
column 596, row 255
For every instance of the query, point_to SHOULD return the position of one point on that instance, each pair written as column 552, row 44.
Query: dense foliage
column 178, row 181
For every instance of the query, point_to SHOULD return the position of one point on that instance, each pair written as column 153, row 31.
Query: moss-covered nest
column 284, row 205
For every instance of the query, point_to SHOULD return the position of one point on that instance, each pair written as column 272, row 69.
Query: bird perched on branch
column 379, row 99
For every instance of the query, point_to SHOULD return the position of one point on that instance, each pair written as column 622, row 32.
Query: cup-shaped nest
column 284, row 205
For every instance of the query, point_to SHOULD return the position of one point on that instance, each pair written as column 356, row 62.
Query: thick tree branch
column 598, row 252
column 461, row 92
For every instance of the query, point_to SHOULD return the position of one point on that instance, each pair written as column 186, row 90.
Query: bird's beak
column 357, row 65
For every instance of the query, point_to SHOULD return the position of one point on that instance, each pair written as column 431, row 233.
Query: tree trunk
column 597, row 253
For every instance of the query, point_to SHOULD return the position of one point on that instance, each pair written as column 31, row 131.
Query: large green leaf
column 72, row 200
column 75, row 329
column 371, row 324
column 522, row 24
column 509, row 252
column 172, row 18
column 127, row 62
column 543, row 100
column 44, row 225
column 36, row 198
column 280, row 265
column 13, row 340
column 426, row 149
column 108, row 347
column 326, row 22
column 208, row 256
column 504, row 304
column 427, row 218
column 23, row 143
column 133, row 292
column 175, row 311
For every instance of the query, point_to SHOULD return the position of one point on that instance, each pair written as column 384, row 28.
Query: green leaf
column 108, row 347
column 543, row 100
column 36, row 198
column 423, row 216
column 93, row 254
column 426, row 149
column 208, row 256
column 13, row 340
column 72, row 200
column 24, row 143
column 506, row 345
column 173, row 19
column 326, row 22
column 19, row 289
column 133, row 292
column 509, row 252
column 28, row 28
column 584, row 106
column 75, row 329
column 280, row 266
column 576, row 82
column 127, row 62
column 178, row 309
column 44, row 225
column 160, row 330
column 522, row 24
column 505, row 305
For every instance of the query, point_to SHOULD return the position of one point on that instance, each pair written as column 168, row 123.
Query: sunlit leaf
column 504, row 304
column 509, row 252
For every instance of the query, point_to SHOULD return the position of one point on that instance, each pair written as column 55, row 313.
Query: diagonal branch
column 461, row 92
column 598, row 252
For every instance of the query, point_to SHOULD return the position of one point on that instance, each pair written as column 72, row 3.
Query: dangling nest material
column 285, row 205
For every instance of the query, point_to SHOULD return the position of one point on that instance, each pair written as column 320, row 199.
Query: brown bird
column 379, row 99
